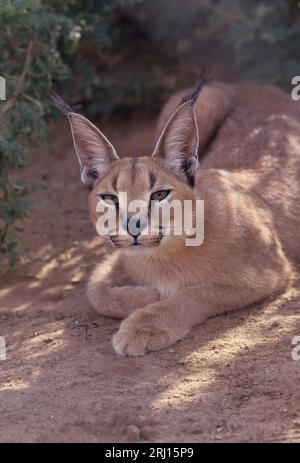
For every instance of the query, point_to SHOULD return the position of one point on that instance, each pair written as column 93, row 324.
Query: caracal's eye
column 159, row 195
column 108, row 198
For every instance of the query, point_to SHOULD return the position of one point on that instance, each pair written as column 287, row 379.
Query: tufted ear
column 95, row 153
column 178, row 143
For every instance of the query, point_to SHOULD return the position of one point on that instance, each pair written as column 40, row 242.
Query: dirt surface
column 231, row 379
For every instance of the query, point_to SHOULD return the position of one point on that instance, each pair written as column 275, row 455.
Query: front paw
column 139, row 333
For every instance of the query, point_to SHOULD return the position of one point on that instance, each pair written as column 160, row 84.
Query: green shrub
column 39, row 49
column 264, row 36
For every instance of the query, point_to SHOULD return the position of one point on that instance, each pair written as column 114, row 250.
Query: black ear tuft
column 194, row 93
column 60, row 103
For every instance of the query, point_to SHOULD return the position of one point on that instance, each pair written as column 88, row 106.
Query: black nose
column 133, row 227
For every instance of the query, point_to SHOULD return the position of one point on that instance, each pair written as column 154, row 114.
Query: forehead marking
column 133, row 170
column 152, row 180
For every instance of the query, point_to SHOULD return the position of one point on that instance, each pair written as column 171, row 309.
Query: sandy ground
column 231, row 379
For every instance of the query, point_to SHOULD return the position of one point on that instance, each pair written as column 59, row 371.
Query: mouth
column 135, row 243
column 144, row 244
column 147, row 244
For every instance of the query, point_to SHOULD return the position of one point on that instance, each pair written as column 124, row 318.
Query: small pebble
column 133, row 433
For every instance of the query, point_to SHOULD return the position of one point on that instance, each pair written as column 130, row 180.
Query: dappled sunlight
column 106, row 266
column 187, row 389
column 72, row 260
column 43, row 273
column 5, row 292
column 282, row 117
column 294, row 142
column 63, row 261
column 36, row 344
column 20, row 307
column 77, row 276
column 55, row 345
column 205, row 362
column 222, row 349
column 39, row 338
column 255, row 132
column 40, row 344
column 16, row 385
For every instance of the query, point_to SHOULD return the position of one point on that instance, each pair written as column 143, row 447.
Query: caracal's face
column 131, row 203
column 130, row 198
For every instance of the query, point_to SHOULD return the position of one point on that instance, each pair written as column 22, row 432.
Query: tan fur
column 249, row 181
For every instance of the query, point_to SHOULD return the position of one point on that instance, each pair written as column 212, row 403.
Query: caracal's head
column 130, row 197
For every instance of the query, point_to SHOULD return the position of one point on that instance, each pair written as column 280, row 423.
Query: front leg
column 163, row 323
column 113, row 293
